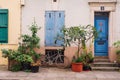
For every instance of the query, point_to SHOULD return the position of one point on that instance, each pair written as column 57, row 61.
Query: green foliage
column 117, row 44
column 24, row 58
column 118, row 52
column 16, row 67
column 87, row 58
column 79, row 59
column 118, row 58
column 78, row 35
column 31, row 41
column 16, row 55
column 26, row 50
column 11, row 54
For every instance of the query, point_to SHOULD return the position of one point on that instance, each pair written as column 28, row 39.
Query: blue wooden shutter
column 3, row 25
column 59, row 24
column 49, row 35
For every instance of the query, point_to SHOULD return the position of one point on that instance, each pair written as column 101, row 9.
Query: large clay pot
column 77, row 67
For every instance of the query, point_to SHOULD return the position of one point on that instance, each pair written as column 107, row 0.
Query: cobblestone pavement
column 58, row 74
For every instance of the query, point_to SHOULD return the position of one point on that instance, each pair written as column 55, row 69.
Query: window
column 54, row 21
column 3, row 25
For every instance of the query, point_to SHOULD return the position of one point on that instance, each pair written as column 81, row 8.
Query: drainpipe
column 22, row 3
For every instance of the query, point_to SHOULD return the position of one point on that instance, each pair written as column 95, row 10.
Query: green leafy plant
column 79, row 59
column 16, row 67
column 117, row 46
column 77, row 35
column 87, row 58
column 11, row 54
column 28, row 45
column 24, row 58
column 26, row 50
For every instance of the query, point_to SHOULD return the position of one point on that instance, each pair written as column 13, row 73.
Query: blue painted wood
column 3, row 25
column 59, row 24
column 49, row 35
column 54, row 23
column 101, row 43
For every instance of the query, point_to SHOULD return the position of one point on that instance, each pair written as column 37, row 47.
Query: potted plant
column 25, row 60
column 26, row 53
column 117, row 46
column 77, row 64
column 11, row 55
column 35, row 66
column 30, row 43
column 78, row 35
column 87, row 60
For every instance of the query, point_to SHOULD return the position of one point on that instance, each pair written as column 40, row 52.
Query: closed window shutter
column 3, row 25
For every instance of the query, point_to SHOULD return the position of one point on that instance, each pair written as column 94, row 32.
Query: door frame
column 108, row 7
column 107, row 15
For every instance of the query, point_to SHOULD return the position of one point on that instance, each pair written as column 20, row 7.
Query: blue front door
column 54, row 21
column 101, row 43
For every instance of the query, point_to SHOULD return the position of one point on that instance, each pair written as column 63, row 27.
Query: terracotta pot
column 77, row 67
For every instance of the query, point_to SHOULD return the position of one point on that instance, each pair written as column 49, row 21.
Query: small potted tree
column 30, row 43
column 78, row 35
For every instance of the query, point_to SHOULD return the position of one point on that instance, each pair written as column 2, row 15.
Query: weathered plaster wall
column 76, row 12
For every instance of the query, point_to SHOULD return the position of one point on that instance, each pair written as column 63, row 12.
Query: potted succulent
column 78, row 35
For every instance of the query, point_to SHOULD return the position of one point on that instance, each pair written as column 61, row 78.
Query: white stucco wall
column 117, row 21
column 77, row 12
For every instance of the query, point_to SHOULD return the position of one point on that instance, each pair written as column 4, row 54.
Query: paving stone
column 59, row 74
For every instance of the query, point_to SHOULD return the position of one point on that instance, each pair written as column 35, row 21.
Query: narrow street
column 58, row 74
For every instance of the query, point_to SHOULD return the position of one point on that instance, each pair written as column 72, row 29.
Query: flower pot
column 86, row 68
column 26, row 66
column 34, row 69
column 77, row 67
column 10, row 63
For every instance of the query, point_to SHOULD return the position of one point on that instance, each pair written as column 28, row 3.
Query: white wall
column 117, row 21
column 77, row 12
